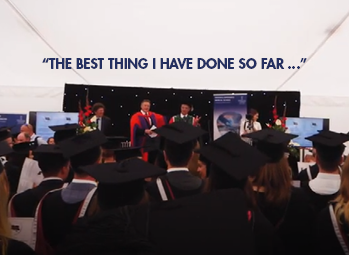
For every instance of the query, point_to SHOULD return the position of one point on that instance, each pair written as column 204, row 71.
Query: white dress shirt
column 171, row 170
column 52, row 178
column 38, row 139
column 99, row 121
column 147, row 114
column 184, row 116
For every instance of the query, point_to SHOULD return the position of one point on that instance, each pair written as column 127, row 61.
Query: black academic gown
column 211, row 223
column 176, row 184
column 326, row 239
column 303, row 175
column 25, row 203
column 13, row 172
column 293, row 222
column 17, row 248
column 317, row 201
column 57, row 218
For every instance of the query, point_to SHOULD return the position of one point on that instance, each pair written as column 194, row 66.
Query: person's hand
column 148, row 132
column 197, row 119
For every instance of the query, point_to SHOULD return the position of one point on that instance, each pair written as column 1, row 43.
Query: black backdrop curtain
column 122, row 102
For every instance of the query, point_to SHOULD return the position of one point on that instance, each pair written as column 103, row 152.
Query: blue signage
column 13, row 121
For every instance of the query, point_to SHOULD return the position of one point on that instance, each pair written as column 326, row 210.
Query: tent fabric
column 34, row 30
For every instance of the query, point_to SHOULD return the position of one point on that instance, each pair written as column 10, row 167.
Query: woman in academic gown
column 287, row 208
column 8, row 246
column 231, row 165
column 335, row 216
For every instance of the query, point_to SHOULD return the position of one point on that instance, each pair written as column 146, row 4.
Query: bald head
column 23, row 137
column 27, row 128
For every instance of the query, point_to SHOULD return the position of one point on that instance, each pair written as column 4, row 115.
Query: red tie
column 147, row 118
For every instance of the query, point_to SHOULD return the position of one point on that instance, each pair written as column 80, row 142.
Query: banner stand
column 229, row 111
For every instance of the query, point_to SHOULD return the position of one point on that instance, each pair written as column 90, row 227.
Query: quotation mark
column 45, row 60
column 302, row 61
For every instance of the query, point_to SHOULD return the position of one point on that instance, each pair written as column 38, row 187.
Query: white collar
column 325, row 184
column 184, row 116
column 145, row 113
column 84, row 181
column 52, row 178
column 177, row 169
column 33, row 135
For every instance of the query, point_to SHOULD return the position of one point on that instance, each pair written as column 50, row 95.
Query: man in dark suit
column 179, row 142
column 55, row 169
column 103, row 122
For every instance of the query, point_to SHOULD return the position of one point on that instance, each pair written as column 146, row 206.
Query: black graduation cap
column 127, row 152
column 114, row 142
column 271, row 142
column 234, row 156
column 180, row 132
column 5, row 132
column 24, row 148
column 121, row 173
column 326, row 138
column 48, row 149
column 63, row 132
column 80, row 143
column 328, row 144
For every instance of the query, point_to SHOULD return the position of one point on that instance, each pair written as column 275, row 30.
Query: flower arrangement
column 279, row 124
column 86, row 123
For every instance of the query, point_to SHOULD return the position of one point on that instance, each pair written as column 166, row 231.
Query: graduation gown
column 55, row 219
column 303, row 176
column 175, row 185
column 317, row 201
column 293, row 221
column 17, row 248
column 325, row 236
column 139, row 123
column 25, row 203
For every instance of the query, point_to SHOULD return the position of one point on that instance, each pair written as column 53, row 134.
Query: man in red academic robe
column 184, row 116
column 142, row 125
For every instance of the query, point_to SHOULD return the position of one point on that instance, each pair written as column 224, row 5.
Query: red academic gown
column 139, row 123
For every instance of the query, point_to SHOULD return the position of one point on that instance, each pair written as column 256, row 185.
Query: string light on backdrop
column 122, row 102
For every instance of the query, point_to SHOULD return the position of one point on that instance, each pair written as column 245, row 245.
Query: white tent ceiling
column 185, row 28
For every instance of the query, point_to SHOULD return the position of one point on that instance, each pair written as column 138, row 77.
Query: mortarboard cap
column 121, row 173
column 328, row 144
column 271, row 142
column 48, row 149
column 328, row 139
column 81, row 143
column 180, row 132
column 127, row 152
column 63, row 132
column 234, row 156
column 5, row 132
column 24, row 148
column 114, row 142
